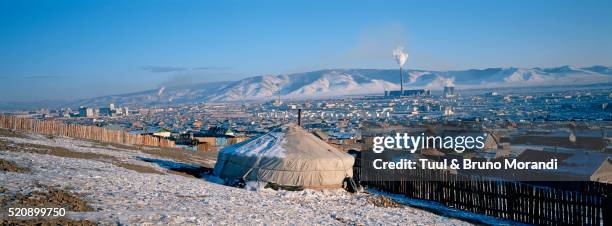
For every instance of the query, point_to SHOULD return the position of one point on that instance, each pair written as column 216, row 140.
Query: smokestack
column 401, row 58
column 401, row 83
column 300, row 117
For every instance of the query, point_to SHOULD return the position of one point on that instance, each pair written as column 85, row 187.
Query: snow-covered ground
column 124, row 196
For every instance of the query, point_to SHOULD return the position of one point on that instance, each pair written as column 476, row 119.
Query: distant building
column 106, row 112
column 448, row 111
column 219, row 131
column 576, row 165
column 449, row 91
column 162, row 132
column 215, row 138
column 65, row 112
column 111, row 110
column 86, row 112
column 410, row 92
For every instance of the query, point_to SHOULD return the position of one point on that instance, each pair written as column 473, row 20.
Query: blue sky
column 75, row 49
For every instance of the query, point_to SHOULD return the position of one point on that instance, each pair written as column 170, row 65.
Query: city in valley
column 540, row 119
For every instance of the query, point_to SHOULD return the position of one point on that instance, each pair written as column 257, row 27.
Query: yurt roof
column 286, row 141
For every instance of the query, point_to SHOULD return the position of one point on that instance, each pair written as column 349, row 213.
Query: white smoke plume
column 440, row 82
column 161, row 91
column 400, row 55
column 450, row 82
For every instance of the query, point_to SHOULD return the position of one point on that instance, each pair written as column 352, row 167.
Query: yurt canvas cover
column 288, row 156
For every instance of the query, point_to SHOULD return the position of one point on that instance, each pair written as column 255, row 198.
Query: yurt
column 287, row 156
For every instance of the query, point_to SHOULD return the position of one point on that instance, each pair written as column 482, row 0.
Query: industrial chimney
column 401, row 58
column 401, row 83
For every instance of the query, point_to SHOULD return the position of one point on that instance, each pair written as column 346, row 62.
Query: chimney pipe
column 300, row 117
column 401, row 83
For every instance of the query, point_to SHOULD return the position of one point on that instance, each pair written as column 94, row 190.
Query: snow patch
column 269, row 144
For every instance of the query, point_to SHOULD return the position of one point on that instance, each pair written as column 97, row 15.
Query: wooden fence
column 58, row 128
column 542, row 203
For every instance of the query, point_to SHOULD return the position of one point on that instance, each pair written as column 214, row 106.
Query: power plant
column 449, row 91
column 401, row 58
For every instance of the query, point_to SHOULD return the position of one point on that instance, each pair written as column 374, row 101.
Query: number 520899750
column 36, row 212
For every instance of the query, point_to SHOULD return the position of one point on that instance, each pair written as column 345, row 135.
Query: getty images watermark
column 397, row 152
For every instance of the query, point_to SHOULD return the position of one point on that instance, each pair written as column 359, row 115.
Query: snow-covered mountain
column 341, row 82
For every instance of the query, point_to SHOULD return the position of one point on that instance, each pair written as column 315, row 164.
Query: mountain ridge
column 328, row 83
column 342, row 82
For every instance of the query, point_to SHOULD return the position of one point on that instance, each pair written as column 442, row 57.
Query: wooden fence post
column 607, row 209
